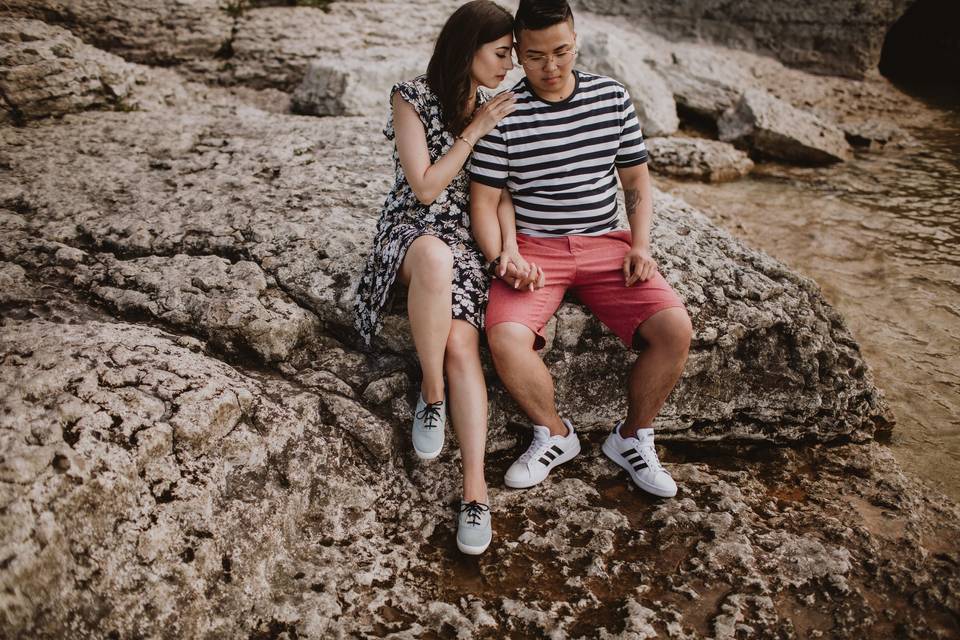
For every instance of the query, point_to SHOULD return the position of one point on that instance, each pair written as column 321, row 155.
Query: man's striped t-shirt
column 558, row 159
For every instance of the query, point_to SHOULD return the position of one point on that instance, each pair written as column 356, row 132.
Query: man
column 559, row 154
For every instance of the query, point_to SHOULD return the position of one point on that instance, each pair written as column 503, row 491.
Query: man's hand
column 529, row 280
column 638, row 265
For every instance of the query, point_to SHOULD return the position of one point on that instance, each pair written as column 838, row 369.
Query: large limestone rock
column 708, row 160
column 774, row 128
column 843, row 38
column 46, row 71
column 304, row 208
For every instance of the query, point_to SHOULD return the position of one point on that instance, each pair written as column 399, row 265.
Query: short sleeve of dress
column 412, row 91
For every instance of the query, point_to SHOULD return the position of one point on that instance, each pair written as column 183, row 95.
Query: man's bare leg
column 524, row 374
column 658, row 368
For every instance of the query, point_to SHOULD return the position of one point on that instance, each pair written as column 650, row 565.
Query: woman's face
column 492, row 61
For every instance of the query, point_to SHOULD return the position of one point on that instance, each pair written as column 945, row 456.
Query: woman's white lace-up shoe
column 639, row 457
column 543, row 454
column 428, row 422
column 474, row 531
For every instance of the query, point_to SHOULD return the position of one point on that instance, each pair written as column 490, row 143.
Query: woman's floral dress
column 403, row 219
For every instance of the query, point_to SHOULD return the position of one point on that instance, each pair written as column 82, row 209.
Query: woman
column 423, row 239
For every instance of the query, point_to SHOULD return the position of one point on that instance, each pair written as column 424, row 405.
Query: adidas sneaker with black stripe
column 543, row 454
column 638, row 457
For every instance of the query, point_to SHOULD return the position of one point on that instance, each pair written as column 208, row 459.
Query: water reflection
column 881, row 234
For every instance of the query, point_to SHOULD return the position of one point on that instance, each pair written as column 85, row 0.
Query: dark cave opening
column 921, row 51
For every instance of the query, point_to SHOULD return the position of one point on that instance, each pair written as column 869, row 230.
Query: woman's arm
column 429, row 180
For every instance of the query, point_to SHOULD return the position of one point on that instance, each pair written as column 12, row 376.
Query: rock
column 607, row 54
column 841, row 38
column 773, row 128
column 45, row 71
column 352, row 86
column 703, row 81
column 751, row 314
column 708, row 160
column 162, row 33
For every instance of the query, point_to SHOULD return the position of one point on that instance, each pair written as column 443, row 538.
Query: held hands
column 638, row 265
column 490, row 114
column 518, row 273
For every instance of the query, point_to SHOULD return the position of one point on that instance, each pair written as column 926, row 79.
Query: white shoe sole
column 567, row 456
column 427, row 456
column 614, row 455
column 471, row 551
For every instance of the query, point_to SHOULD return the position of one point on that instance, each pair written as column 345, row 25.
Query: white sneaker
column 639, row 457
column 428, row 427
column 544, row 453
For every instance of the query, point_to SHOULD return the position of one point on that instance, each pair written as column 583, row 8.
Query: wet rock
column 708, row 160
column 610, row 54
column 46, row 71
column 774, row 128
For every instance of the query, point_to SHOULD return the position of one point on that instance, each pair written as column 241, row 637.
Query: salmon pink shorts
column 591, row 267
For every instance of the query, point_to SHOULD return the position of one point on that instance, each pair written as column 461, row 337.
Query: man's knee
column 505, row 338
column 669, row 329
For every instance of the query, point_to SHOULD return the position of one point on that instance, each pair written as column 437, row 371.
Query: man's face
column 547, row 56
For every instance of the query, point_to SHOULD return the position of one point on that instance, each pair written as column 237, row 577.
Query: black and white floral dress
column 403, row 219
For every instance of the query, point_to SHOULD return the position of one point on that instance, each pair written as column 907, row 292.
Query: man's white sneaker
column 543, row 454
column 639, row 457
column 427, row 431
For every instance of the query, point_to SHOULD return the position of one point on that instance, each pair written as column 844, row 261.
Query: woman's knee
column 463, row 345
column 429, row 261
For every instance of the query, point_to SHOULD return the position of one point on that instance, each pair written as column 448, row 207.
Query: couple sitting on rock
column 515, row 198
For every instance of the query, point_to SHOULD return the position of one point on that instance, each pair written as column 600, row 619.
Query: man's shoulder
column 593, row 81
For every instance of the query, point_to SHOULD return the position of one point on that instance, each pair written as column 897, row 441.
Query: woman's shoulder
column 413, row 90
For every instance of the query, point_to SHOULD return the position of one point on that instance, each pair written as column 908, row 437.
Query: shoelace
column 536, row 448
column 649, row 454
column 473, row 510
column 430, row 414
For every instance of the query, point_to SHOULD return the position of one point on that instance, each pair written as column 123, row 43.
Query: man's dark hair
column 540, row 14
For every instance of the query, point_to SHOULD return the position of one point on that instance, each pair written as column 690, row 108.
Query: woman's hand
column 516, row 271
column 489, row 115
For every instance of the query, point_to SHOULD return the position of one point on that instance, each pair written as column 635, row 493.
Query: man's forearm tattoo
column 632, row 200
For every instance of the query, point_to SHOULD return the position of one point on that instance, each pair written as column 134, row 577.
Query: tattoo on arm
column 632, row 199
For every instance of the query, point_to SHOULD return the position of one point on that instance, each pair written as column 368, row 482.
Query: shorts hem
column 628, row 340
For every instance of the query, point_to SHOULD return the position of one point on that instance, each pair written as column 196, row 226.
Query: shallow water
column 881, row 235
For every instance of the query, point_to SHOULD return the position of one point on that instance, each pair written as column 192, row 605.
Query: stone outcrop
column 707, row 160
column 46, row 71
column 304, row 209
column 776, row 129
column 841, row 38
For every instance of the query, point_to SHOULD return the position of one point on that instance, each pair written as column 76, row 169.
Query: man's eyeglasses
column 535, row 60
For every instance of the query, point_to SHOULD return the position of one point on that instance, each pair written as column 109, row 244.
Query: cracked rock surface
column 191, row 445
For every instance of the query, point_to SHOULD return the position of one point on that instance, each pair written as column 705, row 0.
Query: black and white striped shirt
column 558, row 159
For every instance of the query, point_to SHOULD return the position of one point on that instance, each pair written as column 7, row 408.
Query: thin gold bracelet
column 465, row 140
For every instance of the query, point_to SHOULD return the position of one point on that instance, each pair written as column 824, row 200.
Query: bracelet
column 492, row 267
column 469, row 144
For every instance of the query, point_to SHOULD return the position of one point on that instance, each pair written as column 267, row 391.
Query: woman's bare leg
column 468, row 405
column 427, row 270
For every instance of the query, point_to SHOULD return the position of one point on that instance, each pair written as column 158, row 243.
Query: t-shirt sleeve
column 632, row 151
column 412, row 94
column 489, row 163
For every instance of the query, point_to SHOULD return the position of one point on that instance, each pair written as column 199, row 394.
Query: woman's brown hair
column 448, row 74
